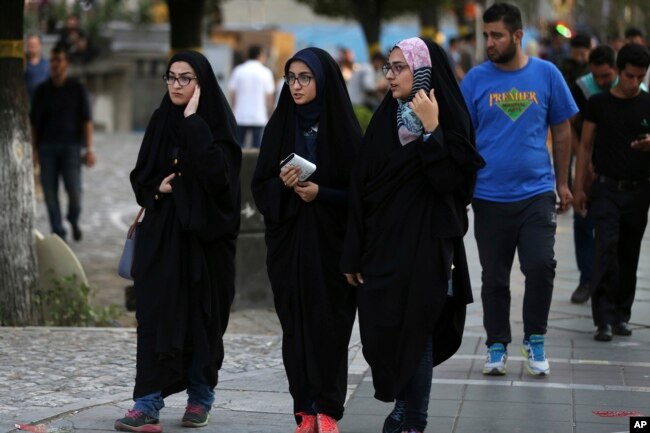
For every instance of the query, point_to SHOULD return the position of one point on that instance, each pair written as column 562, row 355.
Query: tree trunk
column 429, row 22
column 18, row 271
column 186, row 22
column 369, row 15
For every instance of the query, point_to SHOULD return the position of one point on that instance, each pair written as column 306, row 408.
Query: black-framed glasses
column 183, row 80
column 303, row 80
column 396, row 67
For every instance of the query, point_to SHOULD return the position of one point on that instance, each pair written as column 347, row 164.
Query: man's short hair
column 602, row 55
column 581, row 40
column 254, row 51
column 633, row 32
column 633, row 54
column 59, row 48
column 506, row 12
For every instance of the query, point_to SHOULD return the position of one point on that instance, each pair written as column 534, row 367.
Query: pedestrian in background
column 62, row 140
column 602, row 64
column 616, row 129
column 305, row 223
column 187, row 179
column 404, row 243
column 37, row 68
column 513, row 99
column 251, row 89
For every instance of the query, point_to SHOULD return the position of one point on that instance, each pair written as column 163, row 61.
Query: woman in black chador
column 187, row 179
column 305, row 223
column 404, row 244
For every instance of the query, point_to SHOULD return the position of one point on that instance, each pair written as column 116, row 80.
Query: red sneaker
column 326, row 424
column 307, row 423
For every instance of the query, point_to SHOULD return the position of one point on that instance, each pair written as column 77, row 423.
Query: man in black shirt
column 616, row 124
column 602, row 77
column 61, row 128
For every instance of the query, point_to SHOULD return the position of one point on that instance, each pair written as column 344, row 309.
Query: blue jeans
column 414, row 398
column 256, row 132
column 61, row 161
column 199, row 393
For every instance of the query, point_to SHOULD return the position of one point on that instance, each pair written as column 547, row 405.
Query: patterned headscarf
column 416, row 53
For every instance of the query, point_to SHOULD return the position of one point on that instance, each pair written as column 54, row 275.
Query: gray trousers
column 528, row 227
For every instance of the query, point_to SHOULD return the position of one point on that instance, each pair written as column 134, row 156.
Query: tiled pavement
column 79, row 380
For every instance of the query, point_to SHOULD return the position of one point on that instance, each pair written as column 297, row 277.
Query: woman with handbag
column 187, row 179
column 305, row 224
column 404, row 244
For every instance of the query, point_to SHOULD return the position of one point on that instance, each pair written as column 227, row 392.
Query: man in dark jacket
column 62, row 133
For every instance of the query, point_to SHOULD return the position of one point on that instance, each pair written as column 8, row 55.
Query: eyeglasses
column 303, row 80
column 183, row 80
column 396, row 67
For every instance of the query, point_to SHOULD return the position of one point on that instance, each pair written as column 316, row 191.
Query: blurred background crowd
column 119, row 47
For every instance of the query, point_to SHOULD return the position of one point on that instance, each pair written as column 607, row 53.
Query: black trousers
column 528, row 227
column 620, row 217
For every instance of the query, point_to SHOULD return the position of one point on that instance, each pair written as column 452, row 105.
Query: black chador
column 184, row 257
column 407, row 220
column 315, row 304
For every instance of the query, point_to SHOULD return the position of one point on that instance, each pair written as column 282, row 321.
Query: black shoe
column 623, row 328
column 603, row 333
column 76, row 232
column 394, row 420
column 581, row 294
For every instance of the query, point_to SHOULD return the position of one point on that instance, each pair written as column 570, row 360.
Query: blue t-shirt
column 512, row 111
column 35, row 75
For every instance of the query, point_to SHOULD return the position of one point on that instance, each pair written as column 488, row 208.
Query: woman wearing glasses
column 187, row 178
column 305, row 223
column 404, row 243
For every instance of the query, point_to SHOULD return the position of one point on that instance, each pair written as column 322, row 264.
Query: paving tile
column 525, row 411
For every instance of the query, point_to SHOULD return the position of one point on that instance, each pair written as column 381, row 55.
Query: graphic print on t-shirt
column 514, row 102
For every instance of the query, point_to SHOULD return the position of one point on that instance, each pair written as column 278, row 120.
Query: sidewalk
column 80, row 379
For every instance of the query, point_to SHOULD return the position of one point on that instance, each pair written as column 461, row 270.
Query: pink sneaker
column 195, row 416
column 307, row 423
column 326, row 424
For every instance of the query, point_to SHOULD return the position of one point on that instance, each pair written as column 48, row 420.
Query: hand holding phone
column 642, row 142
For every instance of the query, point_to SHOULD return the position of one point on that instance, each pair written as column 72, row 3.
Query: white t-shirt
column 251, row 82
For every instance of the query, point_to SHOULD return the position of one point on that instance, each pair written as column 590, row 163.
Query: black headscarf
column 309, row 113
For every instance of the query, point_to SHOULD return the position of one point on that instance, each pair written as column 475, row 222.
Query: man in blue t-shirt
column 37, row 68
column 513, row 99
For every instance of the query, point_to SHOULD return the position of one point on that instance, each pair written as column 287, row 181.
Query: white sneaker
column 533, row 349
column 496, row 360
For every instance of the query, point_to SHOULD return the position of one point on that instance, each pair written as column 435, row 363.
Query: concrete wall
column 252, row 284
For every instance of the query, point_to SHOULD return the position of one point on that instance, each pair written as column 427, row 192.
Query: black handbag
column 126, row 260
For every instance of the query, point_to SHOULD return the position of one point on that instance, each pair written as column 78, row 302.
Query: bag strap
column 135, row 223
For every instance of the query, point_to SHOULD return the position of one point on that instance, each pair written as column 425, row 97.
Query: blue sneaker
column 496, row 360
column 533, row 349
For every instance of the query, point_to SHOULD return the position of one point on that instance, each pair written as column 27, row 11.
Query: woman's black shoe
column 603, row 333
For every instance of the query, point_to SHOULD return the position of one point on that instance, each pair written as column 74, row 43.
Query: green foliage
column 66, row 303
column 364, row 114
